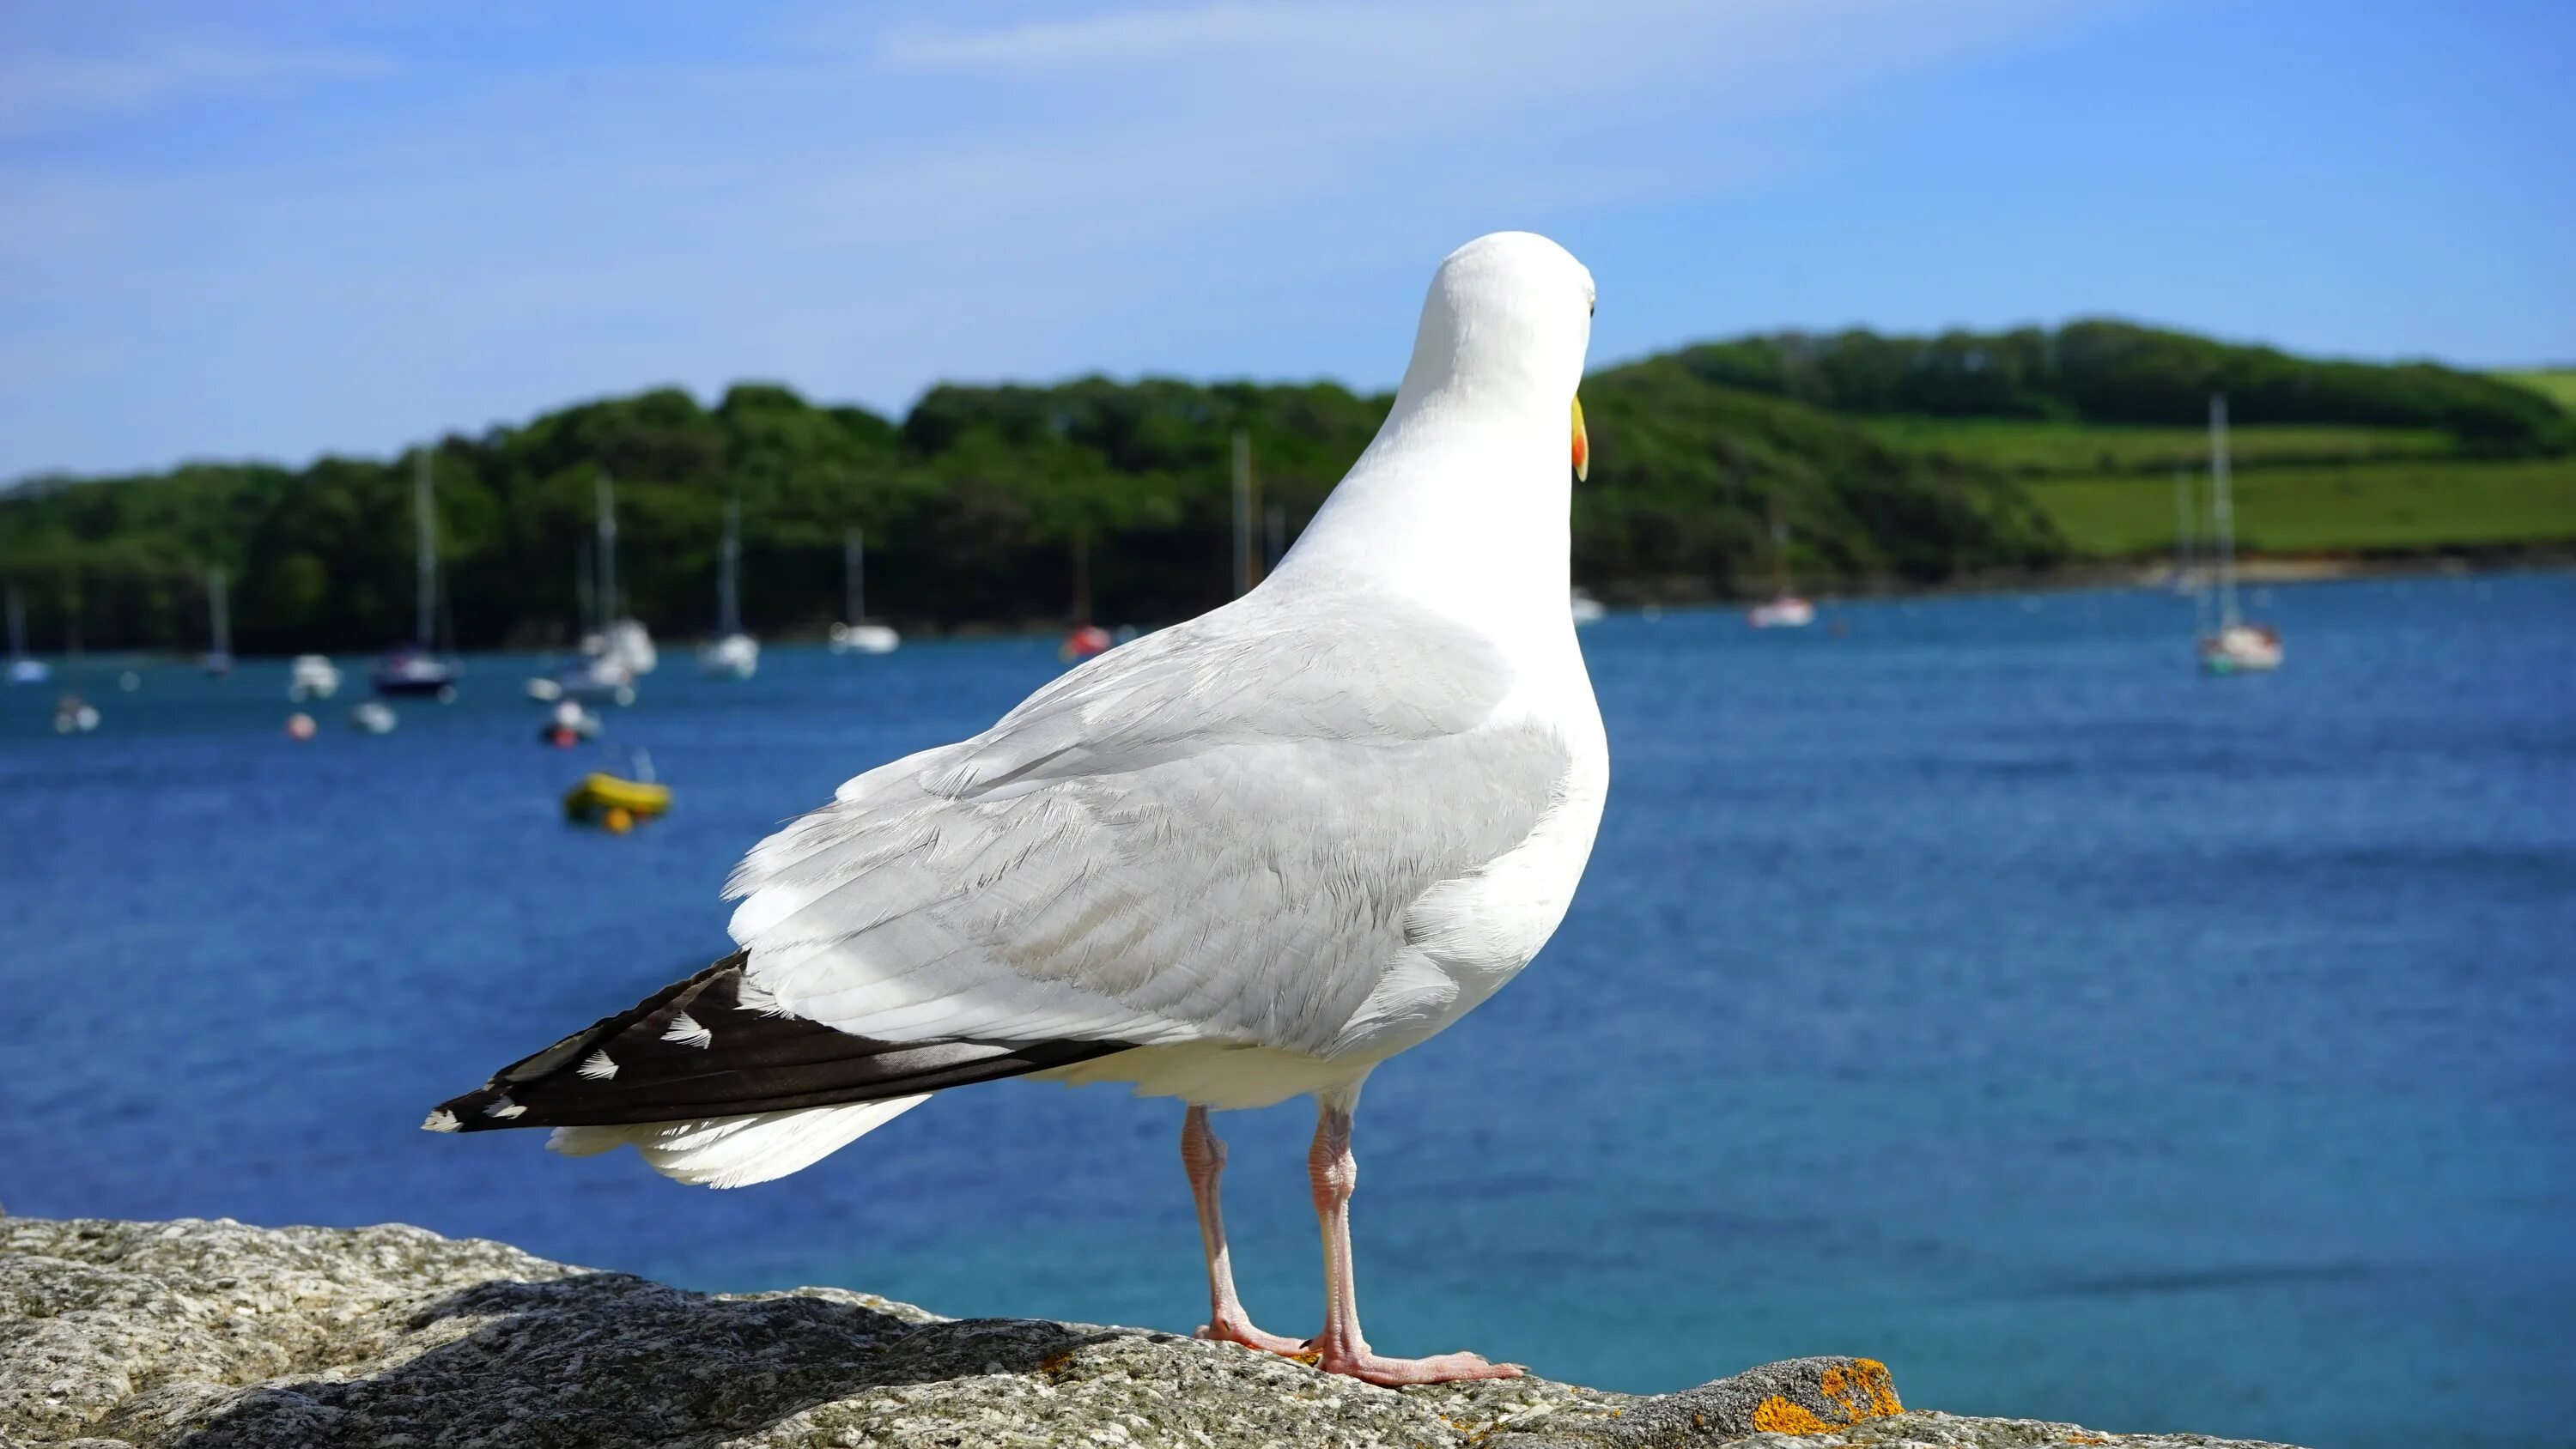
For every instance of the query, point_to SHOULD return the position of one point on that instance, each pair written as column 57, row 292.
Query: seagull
column 1247, row 858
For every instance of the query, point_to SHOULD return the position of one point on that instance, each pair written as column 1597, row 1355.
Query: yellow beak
column 1582, row 445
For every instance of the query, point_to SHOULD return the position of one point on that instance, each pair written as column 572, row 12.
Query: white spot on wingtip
column 752, row 996
column 684, row 1029
column 441, row 1120
column 598, row 1067
column 503, row 1108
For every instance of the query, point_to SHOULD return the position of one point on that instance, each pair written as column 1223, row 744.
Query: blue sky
column 273, row 230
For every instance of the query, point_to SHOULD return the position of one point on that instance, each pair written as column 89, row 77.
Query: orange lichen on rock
column 1776, row 1415
column 1863, row 1390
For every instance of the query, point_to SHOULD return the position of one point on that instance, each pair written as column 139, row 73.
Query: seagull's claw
column 1394, row 1373
column 1242, row 1332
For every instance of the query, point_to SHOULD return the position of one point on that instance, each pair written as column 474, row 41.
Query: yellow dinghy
column 614, row 803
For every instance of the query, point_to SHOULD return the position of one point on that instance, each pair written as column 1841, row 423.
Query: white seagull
column 1248, row 857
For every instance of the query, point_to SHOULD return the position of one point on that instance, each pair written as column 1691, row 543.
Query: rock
column 121, row 1335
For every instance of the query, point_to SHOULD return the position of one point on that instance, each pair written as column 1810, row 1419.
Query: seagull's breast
column 1481, row 928
column 1467, row 936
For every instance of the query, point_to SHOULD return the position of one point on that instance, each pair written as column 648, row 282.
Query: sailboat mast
column 2187, row 569
column 728, row 560
column 219, row 616
column 608, row 611
column 2222, row 511
column 1243, row 562
column 854, row 577
column 2182, row 527
column 426, row 586
column 1779, row 553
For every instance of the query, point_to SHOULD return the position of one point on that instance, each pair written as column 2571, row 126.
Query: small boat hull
column 864, row 639
column 605, row 799
column 442, row 690
column 1085, row 642
column 2244, row 649
column 1786, row 612
column 735, row 656
column 312, row 677
column 410, row 674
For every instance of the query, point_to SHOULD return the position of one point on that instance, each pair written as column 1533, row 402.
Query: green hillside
column 1891, row 459
column 2558, row 384
column 2300, row 488
column 2391, row 507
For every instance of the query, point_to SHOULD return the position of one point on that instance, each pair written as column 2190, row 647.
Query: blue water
column 1977, row 990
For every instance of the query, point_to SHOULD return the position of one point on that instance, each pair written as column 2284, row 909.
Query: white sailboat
column 23, row 668
column 734, row 654
column 619, row 651
column 623, row 640
column 1784, row 610
column 73, row 715
column 312, row 676
column 414, row 670
column 2234, row 646
column 856, row 635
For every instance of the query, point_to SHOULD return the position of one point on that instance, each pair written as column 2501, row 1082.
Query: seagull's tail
column 715, row 1090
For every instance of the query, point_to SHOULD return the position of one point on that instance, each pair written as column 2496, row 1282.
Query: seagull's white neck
column 1461, row 502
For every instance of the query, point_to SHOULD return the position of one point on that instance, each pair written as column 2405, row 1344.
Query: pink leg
column 1204, row 1156
column 1339, row 1348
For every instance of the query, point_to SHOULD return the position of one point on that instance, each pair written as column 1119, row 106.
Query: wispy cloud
column 41, row 90
column 1125, row 37
column 861, row 207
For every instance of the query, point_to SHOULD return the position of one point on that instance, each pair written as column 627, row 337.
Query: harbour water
column 1962, row 983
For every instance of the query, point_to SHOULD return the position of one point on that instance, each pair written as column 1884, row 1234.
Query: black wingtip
column 693, row 1050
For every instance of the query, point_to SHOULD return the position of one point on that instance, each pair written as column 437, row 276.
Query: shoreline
column 1673, row 593
column 2139, row 573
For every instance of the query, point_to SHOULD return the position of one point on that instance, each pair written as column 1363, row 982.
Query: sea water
column 1962, row 983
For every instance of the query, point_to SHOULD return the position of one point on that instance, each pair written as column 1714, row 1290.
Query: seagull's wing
column 1216, row 833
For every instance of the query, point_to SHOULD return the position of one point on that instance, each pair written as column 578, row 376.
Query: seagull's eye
column 1591, row 306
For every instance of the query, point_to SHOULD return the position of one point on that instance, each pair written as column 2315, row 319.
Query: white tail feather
column 738, row 1151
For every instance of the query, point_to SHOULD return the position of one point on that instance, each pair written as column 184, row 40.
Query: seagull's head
column 1507, row 323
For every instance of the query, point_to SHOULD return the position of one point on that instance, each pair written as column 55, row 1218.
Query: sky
column 277, row 230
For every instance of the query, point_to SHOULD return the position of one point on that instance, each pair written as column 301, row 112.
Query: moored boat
column 23, row 669
column 1785, row 610
column 312, row 676
column 2234, row 646
column 74, row 715
column 412, row 671
column 733, row 654
column 617, row 803
column 857, row 636
column 569, row 724
column 1084, row 642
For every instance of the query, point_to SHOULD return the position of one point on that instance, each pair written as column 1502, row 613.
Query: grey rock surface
column 117, row 1335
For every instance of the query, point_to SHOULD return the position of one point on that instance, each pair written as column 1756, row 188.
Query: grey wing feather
column 1211, row 834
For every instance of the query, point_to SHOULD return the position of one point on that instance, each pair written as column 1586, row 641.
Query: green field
column 2392, row 505
column 2558, row 384
column 2062, row 449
